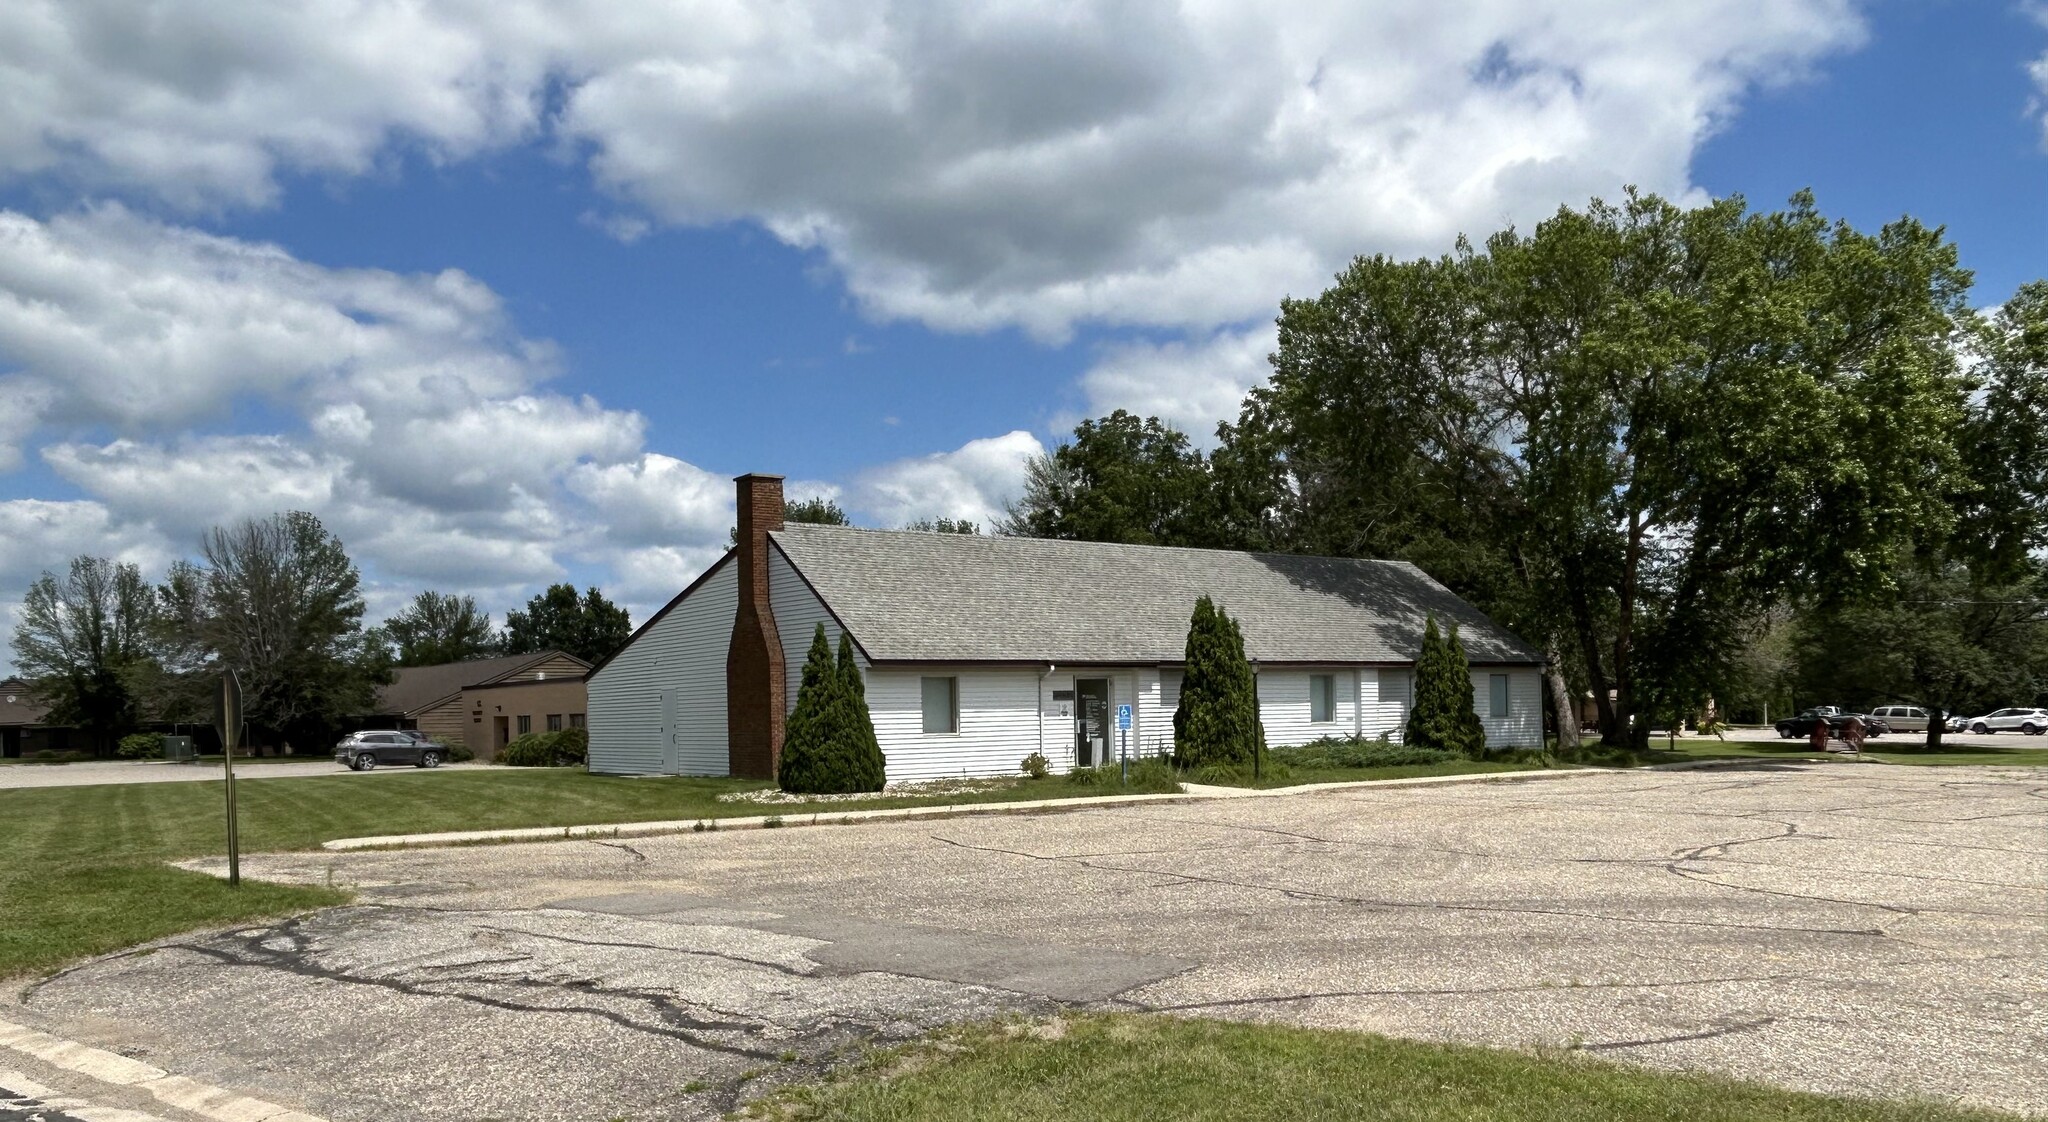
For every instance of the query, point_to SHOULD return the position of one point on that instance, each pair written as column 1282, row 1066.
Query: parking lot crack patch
column 638, row 857
column 623, row 944
column 253, row 952
column 1706, row 1034
column 1413, row 905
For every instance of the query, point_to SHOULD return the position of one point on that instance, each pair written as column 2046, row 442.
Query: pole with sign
column 1123, row 740
column 227, row 719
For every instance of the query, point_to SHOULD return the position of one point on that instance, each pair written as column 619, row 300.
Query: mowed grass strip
column 85, row 870
column 1139, row 1068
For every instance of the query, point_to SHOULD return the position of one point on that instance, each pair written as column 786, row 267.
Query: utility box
column 180, row 748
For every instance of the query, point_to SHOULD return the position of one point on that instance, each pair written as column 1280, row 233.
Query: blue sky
column 507, row 300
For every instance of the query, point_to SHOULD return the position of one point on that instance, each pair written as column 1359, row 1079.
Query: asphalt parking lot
column 1838, row 927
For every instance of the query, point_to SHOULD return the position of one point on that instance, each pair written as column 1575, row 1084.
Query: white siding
column 1284, row 705
column 1523, row 726
column 1386, row 694
column 682, row 653
column 998, row 724
column 798, row 612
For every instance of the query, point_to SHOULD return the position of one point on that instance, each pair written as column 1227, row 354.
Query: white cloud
column 973, row 481
column 656, row 500
column 1191, row 386
column 966, row 165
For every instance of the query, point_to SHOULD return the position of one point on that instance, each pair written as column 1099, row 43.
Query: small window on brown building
column 554, row 722
column 575, row 720
column 525, row 724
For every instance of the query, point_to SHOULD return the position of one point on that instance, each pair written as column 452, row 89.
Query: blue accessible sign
column 1123, row 717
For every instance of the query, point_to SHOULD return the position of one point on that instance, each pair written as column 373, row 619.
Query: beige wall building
column 485, row 703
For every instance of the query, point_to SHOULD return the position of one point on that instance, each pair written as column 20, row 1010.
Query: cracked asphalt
column 1844, row 928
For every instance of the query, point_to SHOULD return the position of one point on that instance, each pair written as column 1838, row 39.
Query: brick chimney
column 754, row 674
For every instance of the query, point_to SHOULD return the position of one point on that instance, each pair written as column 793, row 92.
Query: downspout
column 1049, row 668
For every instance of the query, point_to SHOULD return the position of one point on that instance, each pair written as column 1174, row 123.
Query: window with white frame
column 1322, row 698
column 1497, row 695
column 941, row 704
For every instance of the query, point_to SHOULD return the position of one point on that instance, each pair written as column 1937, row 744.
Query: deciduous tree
column 589, row 627
column 438, row 628
column 83, row 640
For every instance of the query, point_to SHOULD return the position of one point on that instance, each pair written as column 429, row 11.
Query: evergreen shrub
column 1442, row 716
column 141, row 746
column 829, row 745
column 1217, row 721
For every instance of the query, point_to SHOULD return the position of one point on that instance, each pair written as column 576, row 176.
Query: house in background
column 486, row 703
column 22, row 731
column 977, row 651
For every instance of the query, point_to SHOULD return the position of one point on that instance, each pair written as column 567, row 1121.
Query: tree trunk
column 1568, row 733
column 1937, row 722
column 1589, row 648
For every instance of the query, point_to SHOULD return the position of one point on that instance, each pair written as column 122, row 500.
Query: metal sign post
column 227, row 719
column 1123, row 741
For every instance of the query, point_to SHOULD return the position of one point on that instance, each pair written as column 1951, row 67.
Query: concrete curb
column 1190, row 793
column 117, row 1070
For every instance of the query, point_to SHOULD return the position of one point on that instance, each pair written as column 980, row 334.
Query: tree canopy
column 439, row 628
column 587, row 626
column 85, row 639
column 1623, row 433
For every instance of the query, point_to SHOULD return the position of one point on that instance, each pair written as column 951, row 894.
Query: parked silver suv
column 2033, row 722
column 361, row 751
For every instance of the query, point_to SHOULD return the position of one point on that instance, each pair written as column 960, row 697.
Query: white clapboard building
column 978, row 651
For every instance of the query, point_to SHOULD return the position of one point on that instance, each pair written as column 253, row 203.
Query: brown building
column 22, row 731
column 486, row 703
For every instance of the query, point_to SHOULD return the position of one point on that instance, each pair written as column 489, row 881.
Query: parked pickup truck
column 1800, row 727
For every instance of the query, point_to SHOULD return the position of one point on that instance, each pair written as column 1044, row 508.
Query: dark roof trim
column 815, row 594
column 528, row 682
column 538, row 656
column 657, row 617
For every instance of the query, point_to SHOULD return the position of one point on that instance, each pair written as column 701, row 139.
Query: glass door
column 1091, row 721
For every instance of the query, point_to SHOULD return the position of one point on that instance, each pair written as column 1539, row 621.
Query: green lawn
column 84, row 872
column 1129, row 1068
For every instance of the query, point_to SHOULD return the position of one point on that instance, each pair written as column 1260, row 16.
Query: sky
column 506, row 291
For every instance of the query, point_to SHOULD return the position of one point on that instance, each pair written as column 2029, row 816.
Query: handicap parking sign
column 1123, row 717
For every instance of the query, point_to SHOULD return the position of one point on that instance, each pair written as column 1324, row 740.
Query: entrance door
column 1091, row 721
column 10, row 743
column 502, row 734
column 671, row 751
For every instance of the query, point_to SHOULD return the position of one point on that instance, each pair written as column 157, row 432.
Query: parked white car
column 2033, row 722
column 1902, row 718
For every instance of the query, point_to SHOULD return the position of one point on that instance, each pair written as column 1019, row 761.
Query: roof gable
column 925, row 597
column 418, row 688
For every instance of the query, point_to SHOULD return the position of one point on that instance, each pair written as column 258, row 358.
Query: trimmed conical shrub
column 862, row 752
column 1217, row 721
column 828, row 743
column 1442, row 716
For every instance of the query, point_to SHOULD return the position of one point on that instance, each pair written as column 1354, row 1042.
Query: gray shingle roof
column 924, row 597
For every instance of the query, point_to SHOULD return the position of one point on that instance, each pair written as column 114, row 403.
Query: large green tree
column 1628, row 430
column 438, row 628
column 1121, row 479
column 587, row 626
column 83, row 641
column 283, row 606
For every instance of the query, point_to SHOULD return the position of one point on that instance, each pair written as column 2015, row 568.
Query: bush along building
column 975, row 652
